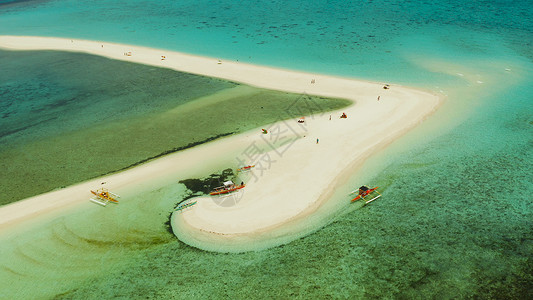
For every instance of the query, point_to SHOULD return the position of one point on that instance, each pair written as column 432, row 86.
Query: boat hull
column 368, row 192
column 104, row 197
column 226, row 191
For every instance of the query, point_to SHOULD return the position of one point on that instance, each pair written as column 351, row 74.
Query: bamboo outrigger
column 365, row 192
column 103, row 196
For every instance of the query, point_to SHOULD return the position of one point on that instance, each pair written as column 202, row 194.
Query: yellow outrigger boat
column 103, row 196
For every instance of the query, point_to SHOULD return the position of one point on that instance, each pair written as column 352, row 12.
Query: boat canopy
column 228, row 183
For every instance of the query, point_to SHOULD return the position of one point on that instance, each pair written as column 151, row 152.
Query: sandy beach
column 298, row 165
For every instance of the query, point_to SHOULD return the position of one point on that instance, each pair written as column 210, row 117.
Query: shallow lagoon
column 455, row 219
column 68, row 117
column 443, row 228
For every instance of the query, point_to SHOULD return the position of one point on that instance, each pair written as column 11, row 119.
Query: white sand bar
column 288, row 182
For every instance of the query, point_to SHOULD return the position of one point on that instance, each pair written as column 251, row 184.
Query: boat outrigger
column 228, row 187
column 365, row 193
column 103, row 196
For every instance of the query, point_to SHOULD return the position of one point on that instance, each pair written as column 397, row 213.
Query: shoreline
column 319, row 167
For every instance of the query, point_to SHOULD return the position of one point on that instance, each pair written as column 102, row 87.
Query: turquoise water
column 76, row 116
column 354, row 38
column 455, row 218
column 59, row 108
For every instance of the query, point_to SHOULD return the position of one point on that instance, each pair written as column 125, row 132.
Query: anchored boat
column 366, row 194
column 246, row 168
column 228, row 187
column 103, row 196
column 185, row 205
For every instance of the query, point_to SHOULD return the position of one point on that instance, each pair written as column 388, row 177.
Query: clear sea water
column 455, row 218
column 77, row 116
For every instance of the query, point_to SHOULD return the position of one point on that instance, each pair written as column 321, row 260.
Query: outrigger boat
column 365, row 192
column 228, row 187
column 246, row 168
column 103, row 196
column 185, row 205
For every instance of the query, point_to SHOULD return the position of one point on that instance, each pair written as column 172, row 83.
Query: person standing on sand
column 317, row 141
